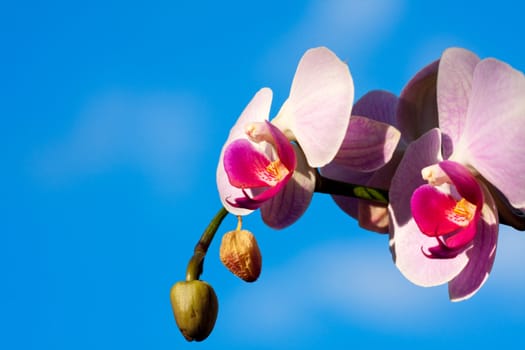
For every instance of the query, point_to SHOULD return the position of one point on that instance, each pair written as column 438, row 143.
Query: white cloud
column 155, row 134
column 508, row 274
column 347, row 24
column 430, row 50
column 350, row 28
column 351, row 281
column 345, row 278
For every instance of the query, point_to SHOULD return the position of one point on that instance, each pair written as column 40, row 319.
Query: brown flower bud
column 195, row 307
column 241, row 255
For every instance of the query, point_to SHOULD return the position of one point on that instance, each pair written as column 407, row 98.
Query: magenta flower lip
column 251, row 170
column 255, row 113
column 452, row 221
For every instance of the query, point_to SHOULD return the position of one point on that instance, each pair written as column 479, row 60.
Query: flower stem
column 194, row 269
column 322, row 185
column 330, row 186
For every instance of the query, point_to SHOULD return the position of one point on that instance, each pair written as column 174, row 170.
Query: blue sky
column 113, row 117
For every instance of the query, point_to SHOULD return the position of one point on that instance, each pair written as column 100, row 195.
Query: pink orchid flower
column 377, row 135
column 260, row 168
column 444, row 219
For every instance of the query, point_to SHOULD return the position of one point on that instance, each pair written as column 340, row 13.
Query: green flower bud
column 195, row 307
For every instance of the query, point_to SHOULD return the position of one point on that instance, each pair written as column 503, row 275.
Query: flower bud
column 195, row 307
column 240, row 253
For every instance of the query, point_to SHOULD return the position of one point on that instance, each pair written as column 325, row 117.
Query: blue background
column 113, row 116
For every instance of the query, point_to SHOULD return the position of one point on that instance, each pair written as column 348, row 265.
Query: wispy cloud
column 429, row 50
column 508, row 272
column 356, row 282
column 345, row 278
column 351, row 28
column 152, row 133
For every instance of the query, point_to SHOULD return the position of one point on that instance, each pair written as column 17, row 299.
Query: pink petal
column 493, row 141
column 257, row 110
column 454, row 86
column 378, row 105
column 368, row 145
column 417, row 106
column 317, row 111
column 373, row 216
column 407, row 243
column 287, row 206
column 480, row 257
column 508, row 215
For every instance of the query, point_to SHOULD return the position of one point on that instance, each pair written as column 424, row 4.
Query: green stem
column 322, row 185
column 330, row 186
column 194, row 269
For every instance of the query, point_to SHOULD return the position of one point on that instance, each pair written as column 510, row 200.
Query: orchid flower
column 260, row 168
column 413, row 113
column 444, row 219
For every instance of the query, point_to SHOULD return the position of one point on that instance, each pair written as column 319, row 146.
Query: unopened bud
column 195, row 307
column 240, row 253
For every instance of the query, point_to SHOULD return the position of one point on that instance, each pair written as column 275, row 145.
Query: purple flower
column 260, row 168
column 444, row 219
column 368, row 155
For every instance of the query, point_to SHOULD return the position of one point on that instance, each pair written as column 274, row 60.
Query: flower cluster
column 437, row 168
column 449, row 150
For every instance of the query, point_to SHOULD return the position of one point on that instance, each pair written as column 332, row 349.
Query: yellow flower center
column 276, row 170
column 463, row 212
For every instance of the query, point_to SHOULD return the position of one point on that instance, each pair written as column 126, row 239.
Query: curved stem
column 322, row 185
column 330, row 186
column 194, row 269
